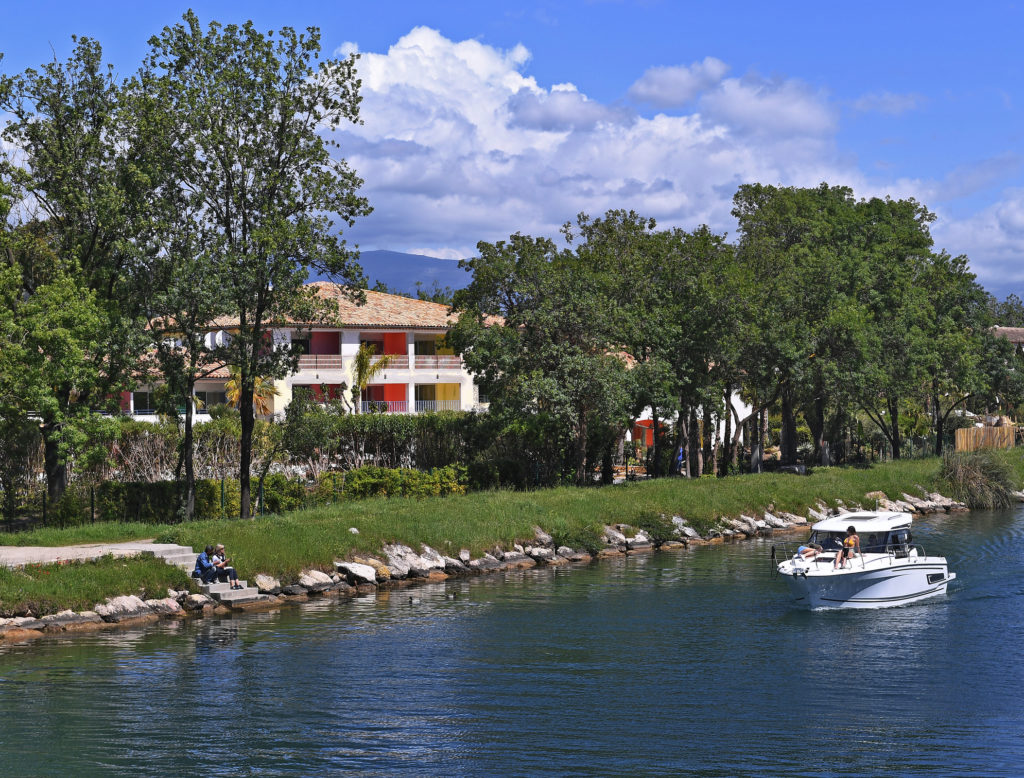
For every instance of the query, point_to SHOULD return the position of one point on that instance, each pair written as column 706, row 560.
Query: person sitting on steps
column 205, row 570
column 224, row 572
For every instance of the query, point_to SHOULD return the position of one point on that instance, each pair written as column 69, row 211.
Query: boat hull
column 883, row 587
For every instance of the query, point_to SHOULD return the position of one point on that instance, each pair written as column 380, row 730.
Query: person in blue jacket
column 206, row 570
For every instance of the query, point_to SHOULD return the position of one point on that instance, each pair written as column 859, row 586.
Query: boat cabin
column 880, row 533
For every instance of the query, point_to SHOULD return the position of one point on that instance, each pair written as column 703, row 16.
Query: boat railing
column 877, row 557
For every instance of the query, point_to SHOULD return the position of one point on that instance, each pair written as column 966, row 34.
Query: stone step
column 240, row 596
column 186, row 560
column 169, row 550
column 214, row 589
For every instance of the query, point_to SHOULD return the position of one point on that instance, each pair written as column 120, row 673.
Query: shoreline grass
column 284, row 545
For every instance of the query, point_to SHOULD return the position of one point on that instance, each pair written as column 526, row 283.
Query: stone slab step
column 240, row 596
column 186, row 560
column 165, row 550
column 218, row 588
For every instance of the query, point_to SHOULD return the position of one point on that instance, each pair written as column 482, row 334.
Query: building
column 422, row 373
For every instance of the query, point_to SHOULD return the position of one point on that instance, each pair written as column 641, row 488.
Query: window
column 207, row 400
column 142, row 402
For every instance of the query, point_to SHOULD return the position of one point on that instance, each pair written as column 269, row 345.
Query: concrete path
column 19, row 556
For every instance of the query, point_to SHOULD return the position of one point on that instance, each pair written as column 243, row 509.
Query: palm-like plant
column 263, row 391
column 365, row 369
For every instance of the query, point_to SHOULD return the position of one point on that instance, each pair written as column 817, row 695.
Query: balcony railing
column 398, row 361
column 384, row 406
column 438, row 362
column 320, row 362
column 427, row 406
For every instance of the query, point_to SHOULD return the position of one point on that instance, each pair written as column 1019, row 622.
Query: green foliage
column 372, row 481
column 281, row 494
column 980, row 479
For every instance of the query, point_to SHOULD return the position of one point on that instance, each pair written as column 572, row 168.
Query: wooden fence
column 973, row 438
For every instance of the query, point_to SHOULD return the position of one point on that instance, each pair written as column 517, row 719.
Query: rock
column 672, row 545
column 774, row 521
column 454, row 566
column 518, row 547
column 814, row 515
column 792, row 518
column 690, row 532
column 383, row 573
column 464, row 556
column 353, row 530
column 168, row 606
column 564, row 551
column 613, row 537
column 433, row 559
column 485, row 564
column 639, row 543
column 294, row 590
column 876, row 496
column 608, row 551
column 69, row 620
column 122, row 608
column 197, row 602
column 315, row 580
column 356, row 573
column 396, row 557
column 542, row 554
column 267, row 584
column 542, row 538
column 749, row 524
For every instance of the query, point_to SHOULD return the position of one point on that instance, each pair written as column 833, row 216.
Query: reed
column 981, row 479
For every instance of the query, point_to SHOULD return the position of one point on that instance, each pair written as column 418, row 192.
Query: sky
column 480, row 120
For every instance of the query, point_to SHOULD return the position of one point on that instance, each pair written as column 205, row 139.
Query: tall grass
column 981, row 479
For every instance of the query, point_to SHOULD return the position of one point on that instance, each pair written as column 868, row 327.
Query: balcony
column 438, row 362
column 320, row 362
column 429, row 406
column 384, row 406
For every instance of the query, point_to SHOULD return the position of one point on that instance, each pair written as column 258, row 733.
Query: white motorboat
column 889, row 570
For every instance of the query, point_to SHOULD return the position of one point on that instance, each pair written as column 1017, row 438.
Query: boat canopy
column 865, row 522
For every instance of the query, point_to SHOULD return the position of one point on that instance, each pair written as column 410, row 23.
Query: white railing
column 437, row 362
column 384, row 406
column 427, row 406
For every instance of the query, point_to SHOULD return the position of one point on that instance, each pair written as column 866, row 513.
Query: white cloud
column 460, row 146
column 777, row 107
column 993, row 239
column 676, row 86
column 888, row 103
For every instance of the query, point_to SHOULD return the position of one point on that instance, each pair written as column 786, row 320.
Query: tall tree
column 252, row 110
column 76, row 188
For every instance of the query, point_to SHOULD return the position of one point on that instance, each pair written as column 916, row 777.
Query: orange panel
column 394, row 343
column 394, row 392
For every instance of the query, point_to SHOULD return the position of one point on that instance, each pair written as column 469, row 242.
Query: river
column 689, row 663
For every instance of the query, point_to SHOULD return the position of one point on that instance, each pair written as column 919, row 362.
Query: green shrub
column 372, row 481
column 281, row 494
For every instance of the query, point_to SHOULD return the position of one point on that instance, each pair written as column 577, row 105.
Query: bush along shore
column 398, row 565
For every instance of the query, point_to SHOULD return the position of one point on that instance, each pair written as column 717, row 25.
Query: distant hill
column 401, row 271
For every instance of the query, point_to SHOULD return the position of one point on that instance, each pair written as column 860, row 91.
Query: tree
column 77, row 224
column 553, row 363
column 364, row 369
column 250, row 110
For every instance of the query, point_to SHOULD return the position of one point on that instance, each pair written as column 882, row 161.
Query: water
column 690, row 663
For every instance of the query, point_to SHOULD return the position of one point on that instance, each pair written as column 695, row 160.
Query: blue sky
column 482, row 119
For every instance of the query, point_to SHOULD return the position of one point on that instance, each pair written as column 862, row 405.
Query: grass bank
column 284, row 545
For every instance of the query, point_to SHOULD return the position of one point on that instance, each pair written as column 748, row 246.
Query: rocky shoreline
column 398, row 565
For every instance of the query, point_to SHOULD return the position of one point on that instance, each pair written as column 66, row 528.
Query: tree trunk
column 939, row 424
column 655, row 464
column 56, row 469
column 607, row 474
column 788, row 442
column 696, row 465
column 816, row 421
column 245, row 407
column 729, row 445
column 707, row 447
column 188, row 452
column 581, row 452
column 894, row 426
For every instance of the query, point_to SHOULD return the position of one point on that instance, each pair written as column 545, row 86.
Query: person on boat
column 851, row 544
column 809, row 551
